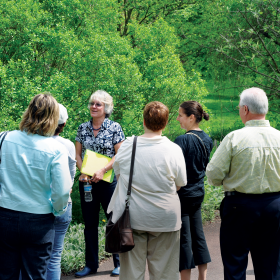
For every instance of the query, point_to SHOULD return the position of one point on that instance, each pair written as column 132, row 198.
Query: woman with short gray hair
column 103, row 136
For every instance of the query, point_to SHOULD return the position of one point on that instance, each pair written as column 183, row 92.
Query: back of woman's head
column 41, row 116
column 194, row 108
column 155, row 115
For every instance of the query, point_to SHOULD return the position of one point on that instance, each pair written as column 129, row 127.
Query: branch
column 264, row 86
column 253, row 70
column 265, row 34
column 145, row 15
column 246, row 19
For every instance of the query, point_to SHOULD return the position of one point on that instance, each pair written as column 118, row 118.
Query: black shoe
column 86, row 271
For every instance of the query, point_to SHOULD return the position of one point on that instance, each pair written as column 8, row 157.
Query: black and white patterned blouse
column 108, row 136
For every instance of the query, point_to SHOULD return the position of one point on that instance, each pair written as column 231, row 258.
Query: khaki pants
column 159, row 249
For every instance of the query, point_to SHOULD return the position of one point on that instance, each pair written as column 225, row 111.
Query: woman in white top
column 154, row 205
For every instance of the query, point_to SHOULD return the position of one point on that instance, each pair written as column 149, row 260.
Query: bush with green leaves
column 212, row 200
column 71, row 48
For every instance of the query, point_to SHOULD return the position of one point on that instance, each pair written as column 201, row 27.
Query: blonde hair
column 41, row 116
column 104, row 97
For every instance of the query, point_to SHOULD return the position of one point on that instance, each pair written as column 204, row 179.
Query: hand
column 84, row 178
column 98, row 175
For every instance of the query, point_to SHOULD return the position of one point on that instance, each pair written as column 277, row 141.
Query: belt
column 231, row 193
column 250, row 194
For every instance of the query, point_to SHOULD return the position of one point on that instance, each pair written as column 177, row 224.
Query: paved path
column 215, row 268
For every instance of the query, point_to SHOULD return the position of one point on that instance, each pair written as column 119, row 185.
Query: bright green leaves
column 71, row 48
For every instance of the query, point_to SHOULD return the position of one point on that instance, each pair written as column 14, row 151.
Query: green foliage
column 77, row 216
column 212, row 200
column 232, row 40
column 73, row 255
column 72, row 48
column 252, row 42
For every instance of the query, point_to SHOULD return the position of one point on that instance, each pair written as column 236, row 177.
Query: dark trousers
column 251, row 223
column 193, row 247
column 25, row 244
column 101, row 194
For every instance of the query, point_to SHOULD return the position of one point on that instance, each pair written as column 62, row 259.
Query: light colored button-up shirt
column 248, row 160
column 34, row 174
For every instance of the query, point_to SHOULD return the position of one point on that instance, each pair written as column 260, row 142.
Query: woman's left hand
column 98, row 175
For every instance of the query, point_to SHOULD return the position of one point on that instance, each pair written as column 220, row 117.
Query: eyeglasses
column 94, row 103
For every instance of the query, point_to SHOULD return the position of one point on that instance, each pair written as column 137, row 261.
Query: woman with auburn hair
column 35, row 186
column 159, row 171
column 196, row 146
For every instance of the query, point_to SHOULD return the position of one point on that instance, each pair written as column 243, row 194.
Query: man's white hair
column 104, row 97
column 255, row 99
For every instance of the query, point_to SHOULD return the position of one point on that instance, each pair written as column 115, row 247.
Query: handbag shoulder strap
column 131, row 166
column 200, row 140
column 2, row 137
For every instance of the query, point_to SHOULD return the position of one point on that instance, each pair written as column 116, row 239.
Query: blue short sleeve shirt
column 108, row 136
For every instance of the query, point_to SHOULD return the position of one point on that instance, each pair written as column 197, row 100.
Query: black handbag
column 119, row 235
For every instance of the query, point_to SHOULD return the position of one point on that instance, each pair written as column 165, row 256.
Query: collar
column 258, row 123
column 105, row 125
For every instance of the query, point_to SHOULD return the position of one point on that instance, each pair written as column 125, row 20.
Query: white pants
column 159, row 249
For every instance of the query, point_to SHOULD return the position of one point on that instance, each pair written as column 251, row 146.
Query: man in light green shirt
column 247, row 164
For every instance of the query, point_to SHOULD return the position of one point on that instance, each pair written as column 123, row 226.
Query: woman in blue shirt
column 196, row 146
column 103, row 136
column 35, row 186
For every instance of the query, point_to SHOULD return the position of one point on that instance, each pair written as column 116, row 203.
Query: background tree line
column 138, row 51
column 72, row 48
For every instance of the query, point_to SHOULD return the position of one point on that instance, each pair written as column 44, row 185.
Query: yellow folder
column 94, row 161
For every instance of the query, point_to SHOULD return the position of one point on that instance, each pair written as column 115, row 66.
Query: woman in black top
column 196, row 146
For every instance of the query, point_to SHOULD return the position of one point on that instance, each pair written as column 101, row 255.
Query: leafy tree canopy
column 71, row 48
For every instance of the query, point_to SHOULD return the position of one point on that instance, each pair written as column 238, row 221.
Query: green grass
column 224, row 116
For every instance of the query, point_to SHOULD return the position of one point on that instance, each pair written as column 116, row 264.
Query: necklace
column 96, row 128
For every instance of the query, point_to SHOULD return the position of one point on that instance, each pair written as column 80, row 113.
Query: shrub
column 73, row 255
column 212, row 200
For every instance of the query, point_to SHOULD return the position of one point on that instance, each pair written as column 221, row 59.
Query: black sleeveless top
column 196, row 161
